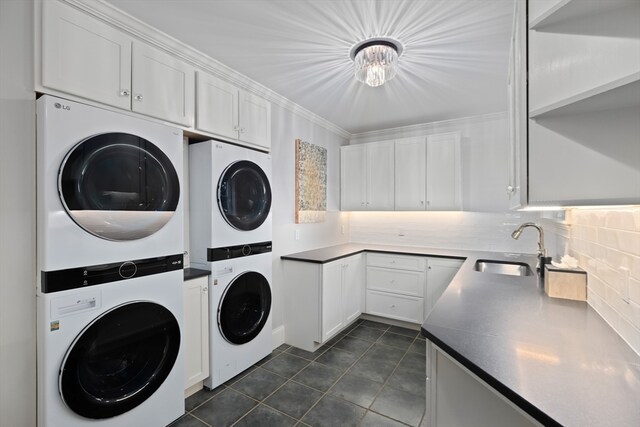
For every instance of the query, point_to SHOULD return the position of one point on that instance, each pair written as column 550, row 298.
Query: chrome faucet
column 542, row 252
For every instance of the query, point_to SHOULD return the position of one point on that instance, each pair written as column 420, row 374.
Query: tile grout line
column 353, row 326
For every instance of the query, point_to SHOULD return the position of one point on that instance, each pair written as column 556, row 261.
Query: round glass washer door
column 118, row 186
column 119, row 360
column 244, row 195
column 244, row 307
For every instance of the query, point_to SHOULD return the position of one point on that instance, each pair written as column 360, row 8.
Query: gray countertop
column 194, row 273
column 556, row 359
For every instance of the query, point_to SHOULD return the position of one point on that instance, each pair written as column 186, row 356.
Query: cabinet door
column 332, row 304
column 163, row 86
column 352, row 178
column 410, row 179
column 440, row 272
column 217, row 109
column 84, row 56
column 196, row 331
column 517, row 88
column 380, row 167
column 352, row 287
column 255, row 120
column 444, row 172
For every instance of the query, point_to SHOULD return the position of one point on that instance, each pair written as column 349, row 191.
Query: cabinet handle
column 511, row 189
column 393, row 306
column 362, row 203
column 429, row 268
column 138, row 97
column 205, row 289
column 422, row 202
column 242, row 130
column 124, row 92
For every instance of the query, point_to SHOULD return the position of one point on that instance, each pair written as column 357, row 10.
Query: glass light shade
column 376, row 64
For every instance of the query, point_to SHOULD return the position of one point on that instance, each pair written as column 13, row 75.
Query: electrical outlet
column 342, row 229
column 625, row 284
column 296, row 234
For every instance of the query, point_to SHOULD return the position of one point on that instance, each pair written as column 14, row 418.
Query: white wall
column 286, row 127
column 17, row 216
column 606, row 243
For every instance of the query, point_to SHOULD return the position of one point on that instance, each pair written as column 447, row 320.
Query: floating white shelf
column 620, row 93
column 568, row 9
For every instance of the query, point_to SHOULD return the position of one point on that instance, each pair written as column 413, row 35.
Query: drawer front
column 396, row 281
column 397, row 261
column 409, row 309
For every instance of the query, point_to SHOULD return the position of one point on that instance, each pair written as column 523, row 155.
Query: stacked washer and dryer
column 110, row 245
column 230, row 234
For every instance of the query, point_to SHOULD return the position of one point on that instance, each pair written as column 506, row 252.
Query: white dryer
column 110, row 355
column 108, row 186
column 240, row 306
column 230, row 201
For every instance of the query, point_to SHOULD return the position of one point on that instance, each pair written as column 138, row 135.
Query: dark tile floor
column 372, row 374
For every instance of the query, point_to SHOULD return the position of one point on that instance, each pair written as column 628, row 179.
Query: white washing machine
column 110, row 355
column 240, row 306
column 108, row 186
column 230, row 201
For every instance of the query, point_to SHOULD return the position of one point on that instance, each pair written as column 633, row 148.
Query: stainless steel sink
column 502, row 267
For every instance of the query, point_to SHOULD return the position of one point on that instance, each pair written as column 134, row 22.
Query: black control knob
column 128, row 270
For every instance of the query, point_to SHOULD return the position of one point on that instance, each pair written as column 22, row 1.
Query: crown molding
column 422, row 128
column 150, row 35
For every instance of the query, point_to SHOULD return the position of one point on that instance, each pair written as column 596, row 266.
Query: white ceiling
column 454, row 62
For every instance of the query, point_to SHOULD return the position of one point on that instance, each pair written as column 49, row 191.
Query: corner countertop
column 194, row 273
column 558, row 360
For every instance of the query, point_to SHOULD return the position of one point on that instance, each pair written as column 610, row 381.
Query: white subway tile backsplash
column 617, row 259
column 449, row 230
column 628, row 241
column 605, row 241
column 634, row 290
column 628, row 220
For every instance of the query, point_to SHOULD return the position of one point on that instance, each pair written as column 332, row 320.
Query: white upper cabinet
column 163, row 86
column 410, row 170
column 232, row 113
column 517, row 92
column 380, row 176
column 217, row 109
column 367, row 177
column 428, row 173
column 444, row 175
column 255, row 120
column 85, row 57
column 352, row 178
column 584, row 102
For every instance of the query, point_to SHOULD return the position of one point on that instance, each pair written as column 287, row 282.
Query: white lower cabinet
column 396, row 286
column 404, row 287
column 321, row 299
column 457, row 397
column 195, row 330
column 440, row 272
column 392, row 306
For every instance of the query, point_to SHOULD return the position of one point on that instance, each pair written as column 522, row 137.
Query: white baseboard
column 277, row 336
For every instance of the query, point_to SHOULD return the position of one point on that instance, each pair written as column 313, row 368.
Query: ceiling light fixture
column 376, row 60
